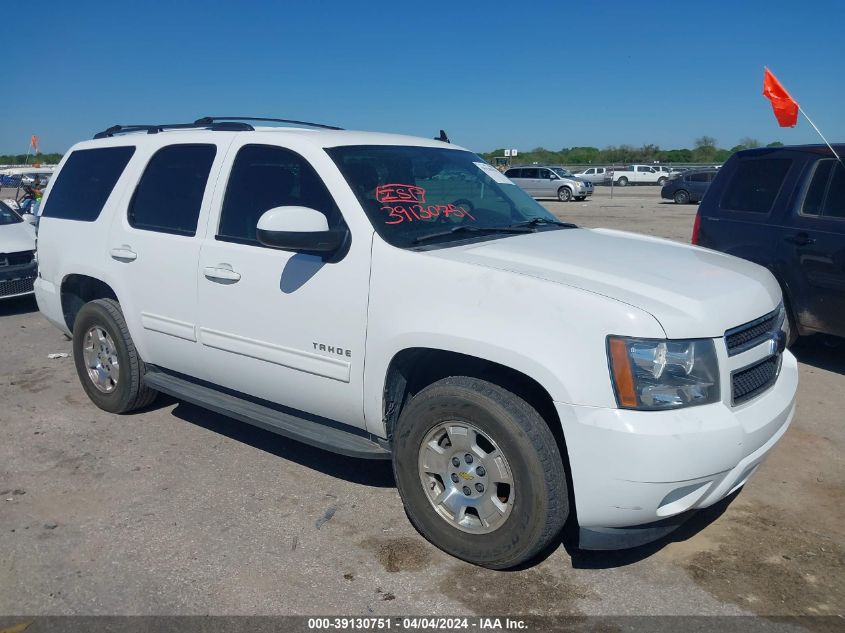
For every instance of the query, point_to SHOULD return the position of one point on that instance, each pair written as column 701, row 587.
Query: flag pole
column 810, row 121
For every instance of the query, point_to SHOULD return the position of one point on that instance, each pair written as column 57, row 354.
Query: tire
column 622, row 182
column 122, row 390
column 661, row 181
column 564, row 194
column 681, row 197
column 529, row 512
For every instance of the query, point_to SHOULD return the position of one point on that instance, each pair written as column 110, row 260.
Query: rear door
column 697, row 184
column 814, row 242
column 548, row 184
column 154, row 245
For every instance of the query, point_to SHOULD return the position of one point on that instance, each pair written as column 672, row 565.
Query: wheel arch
column 412, row 369
column 78, row 289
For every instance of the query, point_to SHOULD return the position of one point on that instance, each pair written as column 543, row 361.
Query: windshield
column 563, row 173
column 7, row 216
column 421, row 194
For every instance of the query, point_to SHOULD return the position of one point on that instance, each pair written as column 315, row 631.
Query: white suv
column 390, row 297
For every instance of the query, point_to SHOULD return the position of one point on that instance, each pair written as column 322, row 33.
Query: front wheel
column 681, row 197
column 564, row 194
column 661, row 181
column 479, row 472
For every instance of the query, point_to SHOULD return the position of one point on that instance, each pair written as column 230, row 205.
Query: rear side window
column 698, row 178
column 755, row 185
column 514, row 173
column 531, row 173
column 169, row 196
column 85, row 183
column 264, row 177
column 826, row 192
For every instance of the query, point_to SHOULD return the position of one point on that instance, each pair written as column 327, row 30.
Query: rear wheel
column 622, row 182
column 564, row 194
column 681, row 197
column 108, row 365
column 479, row 472
column 661, row 181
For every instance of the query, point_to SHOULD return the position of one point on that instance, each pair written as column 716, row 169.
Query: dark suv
column 689, row 186
column 784, row 208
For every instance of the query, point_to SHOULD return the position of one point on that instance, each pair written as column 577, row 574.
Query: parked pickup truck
column 638, row 175
column 391, row 297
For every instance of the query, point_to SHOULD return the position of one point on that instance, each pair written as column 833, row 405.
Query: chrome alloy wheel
column 466, row 477
column 100, row 355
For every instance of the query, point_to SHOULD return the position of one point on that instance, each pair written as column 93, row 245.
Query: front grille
column 751, row 381
column 15, row 259
column 16, row 287
column 750, row 334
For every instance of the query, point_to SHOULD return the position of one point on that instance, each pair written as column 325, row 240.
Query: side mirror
column 552, row 176
column 299, row 229
column 30, row 219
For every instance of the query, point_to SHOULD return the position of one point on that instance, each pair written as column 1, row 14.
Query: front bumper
column 17, row 281
column 633, row 468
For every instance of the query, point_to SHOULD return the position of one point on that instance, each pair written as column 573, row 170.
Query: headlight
column 655, row 374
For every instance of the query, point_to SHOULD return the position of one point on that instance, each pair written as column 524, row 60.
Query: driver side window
column 264, row 177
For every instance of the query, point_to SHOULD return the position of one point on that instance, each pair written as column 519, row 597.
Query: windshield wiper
column 538, row 221
column 474, row 229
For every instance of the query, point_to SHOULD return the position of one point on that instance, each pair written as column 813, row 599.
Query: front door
column 815, row 247
column 285, row 327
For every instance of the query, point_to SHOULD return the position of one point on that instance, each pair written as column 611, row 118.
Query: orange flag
column 34, row 142
column 783, row 105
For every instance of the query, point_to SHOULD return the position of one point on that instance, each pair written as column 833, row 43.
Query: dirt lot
column 175, row 510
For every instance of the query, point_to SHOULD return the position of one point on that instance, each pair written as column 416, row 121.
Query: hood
column 693, row 292
column 17, row 237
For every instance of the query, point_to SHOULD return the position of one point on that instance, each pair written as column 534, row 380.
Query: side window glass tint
column 264, row 177
column 834, row 204
column 513, row 173
column 531, row 173
column 85, row 183
column 815, row 191
column 169, row 195
column 755, row 185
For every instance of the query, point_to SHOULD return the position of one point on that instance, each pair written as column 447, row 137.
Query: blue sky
column 509, row 74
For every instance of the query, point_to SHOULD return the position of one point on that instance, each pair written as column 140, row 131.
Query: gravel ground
column 175, row 510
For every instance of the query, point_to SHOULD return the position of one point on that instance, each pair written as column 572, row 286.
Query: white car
column 596, row 175
column 393, row 297
column 18, row 267
column 638, row 175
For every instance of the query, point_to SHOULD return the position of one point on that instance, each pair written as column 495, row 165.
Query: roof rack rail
column 207, row 120
column 218, row 123
column 155, row 129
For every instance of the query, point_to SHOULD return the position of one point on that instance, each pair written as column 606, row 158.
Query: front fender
column 554, row 334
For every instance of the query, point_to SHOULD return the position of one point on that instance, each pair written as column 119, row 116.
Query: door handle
column 123, row 254
column 222, row 273
column 801, row 239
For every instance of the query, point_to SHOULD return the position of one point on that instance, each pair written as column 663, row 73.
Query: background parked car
column 784, row 208
column 17, row 254
column 689, row 186
column 637, row 175
column 544, row 182
column 596, row 175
